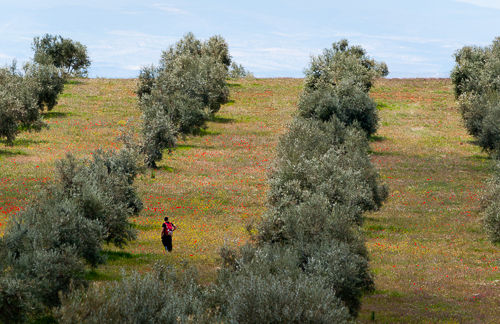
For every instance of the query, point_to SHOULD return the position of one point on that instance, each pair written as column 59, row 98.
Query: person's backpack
column 168, row 229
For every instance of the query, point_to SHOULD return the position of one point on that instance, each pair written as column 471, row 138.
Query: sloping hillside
column 431, row 258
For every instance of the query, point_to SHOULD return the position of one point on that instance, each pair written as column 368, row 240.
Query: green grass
column 431, row 259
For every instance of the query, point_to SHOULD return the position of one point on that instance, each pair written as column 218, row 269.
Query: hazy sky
column 270, row 38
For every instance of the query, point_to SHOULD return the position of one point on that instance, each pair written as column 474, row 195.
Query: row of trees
column 47, row 247
column 308, row 263
column 179, row 95
column 476, row 79
column 24, row 95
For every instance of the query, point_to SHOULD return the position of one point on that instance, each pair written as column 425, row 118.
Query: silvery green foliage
column 186, row 113
column 18, row 104
column 238, row 71
column 162, row 296
column 193, row 68
column 13, row 296
column 64, row 53
column 44, row 248
column 273, row 283
column 52, row 223
column 311, row 222
column 198, row 76
column 491, row 206
column 277, row 298
column 103, row 190
column 467, row 75
column 50, row 81
column 489, row 138
column 147, row 78
column 340, row 63
column 476, row 79
column 345, row 273
column 217, row 48
column 159, row 133
column 182, row 92
column 347, row 102
column 40, row 273
column 321, row 183
column 316, row 157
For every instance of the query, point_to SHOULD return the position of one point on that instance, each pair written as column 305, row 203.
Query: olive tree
column 477, row 88
column 491, row 206
column 62, row 52
column 49, row 82
column 238, row 71
column 342, row 62
column 179, row 95
column 345, row 102
column 19, row 107
column 46, row 247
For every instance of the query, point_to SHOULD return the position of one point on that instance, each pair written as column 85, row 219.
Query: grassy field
column 430, row 256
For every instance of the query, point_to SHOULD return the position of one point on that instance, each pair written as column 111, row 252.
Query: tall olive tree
column 179, row 95
column 19, row 107
column 62, row 52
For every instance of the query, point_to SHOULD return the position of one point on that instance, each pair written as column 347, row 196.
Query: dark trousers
column 167, row 242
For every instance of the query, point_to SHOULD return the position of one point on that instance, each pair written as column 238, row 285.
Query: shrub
column 13, row 296
column 193, row 68
column 217, row 48
column 274, row 298
column 62, row 52
column 491, row 206
column 200, row 77
column 159, row 133
column 187, row 113
column 162, row 296
column 324, row 157
column 50, row 83
column 466, row 75
column 40, row 273
column 341, row 63
column 312, row 222
column 54, row 223
column 146, row 82
column 345, row 101
column 179, row 95
column 489, row 136
column 237, row 71
column 43, row 247
column 288, row 265
column 345, row 273
column 477, row 86
column 103, row 191
column 18, row 104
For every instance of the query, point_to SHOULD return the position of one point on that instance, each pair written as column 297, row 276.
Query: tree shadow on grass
column 7, row 153
column 479, row 157
column 117, row 255
column 55, row 114
column 473, row 142
column 206, row 132
column 221, row 120
column 96, row 275
column 23, row 142
column 185, row 147
column 167, row 168
column 126, row 258
column 377, row 138
column 234, row 85
column 74, row 81
column 383, row 153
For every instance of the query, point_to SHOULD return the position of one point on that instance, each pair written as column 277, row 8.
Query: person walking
column 167, row 230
